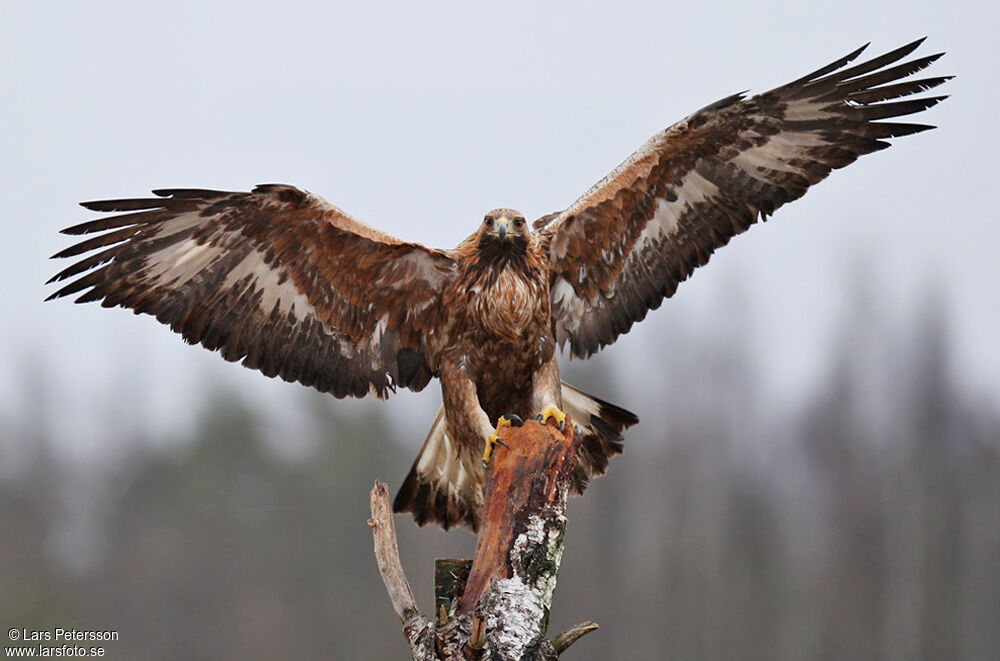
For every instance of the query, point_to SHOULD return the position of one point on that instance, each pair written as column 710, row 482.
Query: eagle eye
column 488, row 221
column 519, row 223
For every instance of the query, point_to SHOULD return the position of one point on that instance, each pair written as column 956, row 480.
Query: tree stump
column 501, row 611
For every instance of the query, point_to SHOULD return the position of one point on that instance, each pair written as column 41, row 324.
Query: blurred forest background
column 860, row 523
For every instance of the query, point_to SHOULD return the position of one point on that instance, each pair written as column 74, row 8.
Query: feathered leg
column 546, row 394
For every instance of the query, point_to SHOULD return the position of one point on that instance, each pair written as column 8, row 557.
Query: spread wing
column 638, row 233
column 277, row 278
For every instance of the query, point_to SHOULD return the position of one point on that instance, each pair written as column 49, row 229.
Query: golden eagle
column 294, row 287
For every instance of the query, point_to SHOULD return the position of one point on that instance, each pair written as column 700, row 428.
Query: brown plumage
column 294, row 287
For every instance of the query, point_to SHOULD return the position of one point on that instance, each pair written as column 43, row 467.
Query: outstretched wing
column 277, row 278
column 638, row 233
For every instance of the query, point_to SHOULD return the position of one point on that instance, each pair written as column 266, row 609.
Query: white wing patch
column 664, row 223
column 776, row 154
column 758, row 161
column 176, row 264
column 566, row 305
column 809, row 109
column 562, row 293
column 380, row 328
column 695, row 189
column 796, row 139
column 179, row 262
column 276, row 289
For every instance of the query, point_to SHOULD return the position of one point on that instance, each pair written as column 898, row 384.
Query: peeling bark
column 501, row 611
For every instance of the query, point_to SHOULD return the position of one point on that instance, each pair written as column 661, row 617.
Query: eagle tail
column 441, row 487
column 444, row 486
column 602, row 424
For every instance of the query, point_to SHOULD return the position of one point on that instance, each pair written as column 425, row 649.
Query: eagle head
column 504, row 230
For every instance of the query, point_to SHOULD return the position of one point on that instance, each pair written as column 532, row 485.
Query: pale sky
column 418, row 117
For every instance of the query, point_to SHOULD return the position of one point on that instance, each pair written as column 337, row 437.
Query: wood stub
column 530, row 476
column 561, row 642
column 450, row 575
column 387, row 555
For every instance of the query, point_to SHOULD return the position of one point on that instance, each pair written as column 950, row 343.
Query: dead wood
column 499, row 609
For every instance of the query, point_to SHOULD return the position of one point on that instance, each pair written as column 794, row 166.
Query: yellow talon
column 551, row 412
column 494, row 438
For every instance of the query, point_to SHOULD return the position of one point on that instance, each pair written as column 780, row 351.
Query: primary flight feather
column 291, row 285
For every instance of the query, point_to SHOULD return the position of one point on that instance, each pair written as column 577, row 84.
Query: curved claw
column 506, row 420
column 555, row 414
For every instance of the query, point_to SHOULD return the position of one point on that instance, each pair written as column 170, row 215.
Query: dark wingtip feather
column 896, row 90
column 82, row 228
column 72, row 288
column 912, row 46
column 853, row 55
column 131, row 204
column 201, row 193
column 899, row 108
column 894, row 130
column 876, row 64
column 930, row 59
column 886, row 75
column 833, row 66
column 882, row 60
column 850, row 57
column 79, row 228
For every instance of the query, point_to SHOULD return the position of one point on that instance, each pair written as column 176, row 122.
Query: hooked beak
column 502, row 227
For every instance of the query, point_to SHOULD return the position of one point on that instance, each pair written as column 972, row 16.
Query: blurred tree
column 864, row 524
